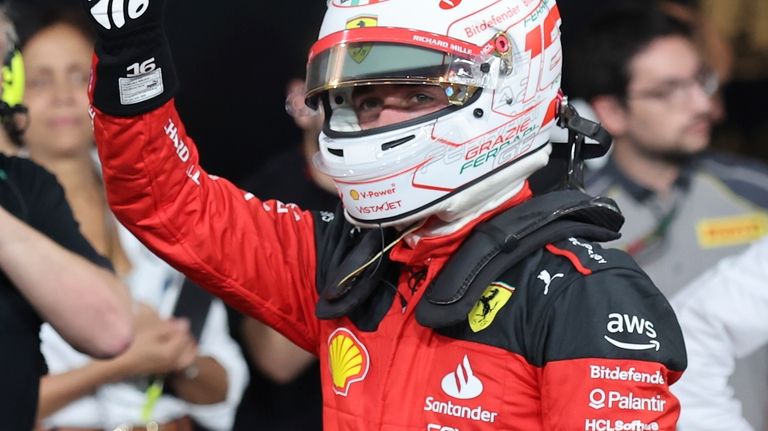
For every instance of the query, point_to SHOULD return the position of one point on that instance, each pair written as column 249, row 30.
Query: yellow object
column 734, row 230
column 496, row 295
column 359, row 51
column 349, row 360
column 154, row 392
column 13, row 79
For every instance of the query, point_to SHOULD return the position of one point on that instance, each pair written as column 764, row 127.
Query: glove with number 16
column 134, row 71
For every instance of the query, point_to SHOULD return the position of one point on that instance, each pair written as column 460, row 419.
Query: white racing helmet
column 499, row 63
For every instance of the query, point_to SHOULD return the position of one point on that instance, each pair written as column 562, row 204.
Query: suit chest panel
column 408, row 376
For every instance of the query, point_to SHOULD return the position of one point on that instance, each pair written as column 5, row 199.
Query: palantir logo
column 597, row 399
column 109, row 12
column 462, row 383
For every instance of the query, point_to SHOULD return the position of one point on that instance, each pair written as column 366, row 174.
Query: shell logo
column 348, row 360
column 354, row 194
column 449, row 4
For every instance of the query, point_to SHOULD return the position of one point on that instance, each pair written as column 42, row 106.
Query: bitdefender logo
column 108, row 12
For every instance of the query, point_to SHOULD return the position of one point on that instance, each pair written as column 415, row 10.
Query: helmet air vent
column 396, row 143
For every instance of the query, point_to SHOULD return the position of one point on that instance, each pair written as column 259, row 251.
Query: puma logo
column 548, row 279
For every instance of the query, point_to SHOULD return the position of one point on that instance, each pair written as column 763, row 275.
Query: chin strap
column 576, row 151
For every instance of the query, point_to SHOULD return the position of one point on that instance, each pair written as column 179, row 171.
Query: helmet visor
column 371, row 62
column 365, row 63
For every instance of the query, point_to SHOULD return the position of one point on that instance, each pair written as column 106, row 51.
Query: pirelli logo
column 733, row 230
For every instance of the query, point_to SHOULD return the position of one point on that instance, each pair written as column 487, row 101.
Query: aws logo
column 109, row 12
column 495, row 296
column 348, row 359
column 625, row 324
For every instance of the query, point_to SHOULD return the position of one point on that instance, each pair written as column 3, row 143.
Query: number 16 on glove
column 133, row 71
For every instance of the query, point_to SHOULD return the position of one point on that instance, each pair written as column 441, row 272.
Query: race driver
column 432, row 128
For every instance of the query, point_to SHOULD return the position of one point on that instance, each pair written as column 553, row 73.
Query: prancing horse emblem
column 495, row 296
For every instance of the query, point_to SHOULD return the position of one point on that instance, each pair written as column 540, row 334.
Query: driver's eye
column 368, row 104
column 422, row 98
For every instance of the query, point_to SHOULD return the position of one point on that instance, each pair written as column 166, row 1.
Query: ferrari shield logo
column 495, row 296
column 359, row 51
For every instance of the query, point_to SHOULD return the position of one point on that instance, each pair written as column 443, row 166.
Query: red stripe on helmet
column 423, row 39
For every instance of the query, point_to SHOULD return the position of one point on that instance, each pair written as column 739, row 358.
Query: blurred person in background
column 686, row 207
column 190, row 358
column 48, row 272
column 284, row 377
column 713, row 48
column 291, row 176
column 723, row 316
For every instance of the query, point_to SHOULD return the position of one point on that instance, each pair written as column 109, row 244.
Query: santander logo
column 462, row 383
column 449, row 4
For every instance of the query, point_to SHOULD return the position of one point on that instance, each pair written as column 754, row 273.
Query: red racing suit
column 574, row 337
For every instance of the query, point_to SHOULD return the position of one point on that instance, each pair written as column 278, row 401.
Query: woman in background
column 174, row 376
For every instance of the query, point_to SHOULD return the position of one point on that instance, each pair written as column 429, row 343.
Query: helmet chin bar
column 475, row 196
column 576, row 151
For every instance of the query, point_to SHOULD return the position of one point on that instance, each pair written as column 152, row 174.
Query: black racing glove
column 135, row 72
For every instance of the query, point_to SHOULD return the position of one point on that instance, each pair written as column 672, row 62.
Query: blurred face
column 667, row 113
column 57, row 62
column 384, row 105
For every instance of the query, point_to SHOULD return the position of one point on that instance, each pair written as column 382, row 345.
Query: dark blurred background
column 235, row 59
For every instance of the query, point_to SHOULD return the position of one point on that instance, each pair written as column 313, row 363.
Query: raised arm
column 258, row 256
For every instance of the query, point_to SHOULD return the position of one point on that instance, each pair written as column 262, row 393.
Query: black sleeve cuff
column 136, row 78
